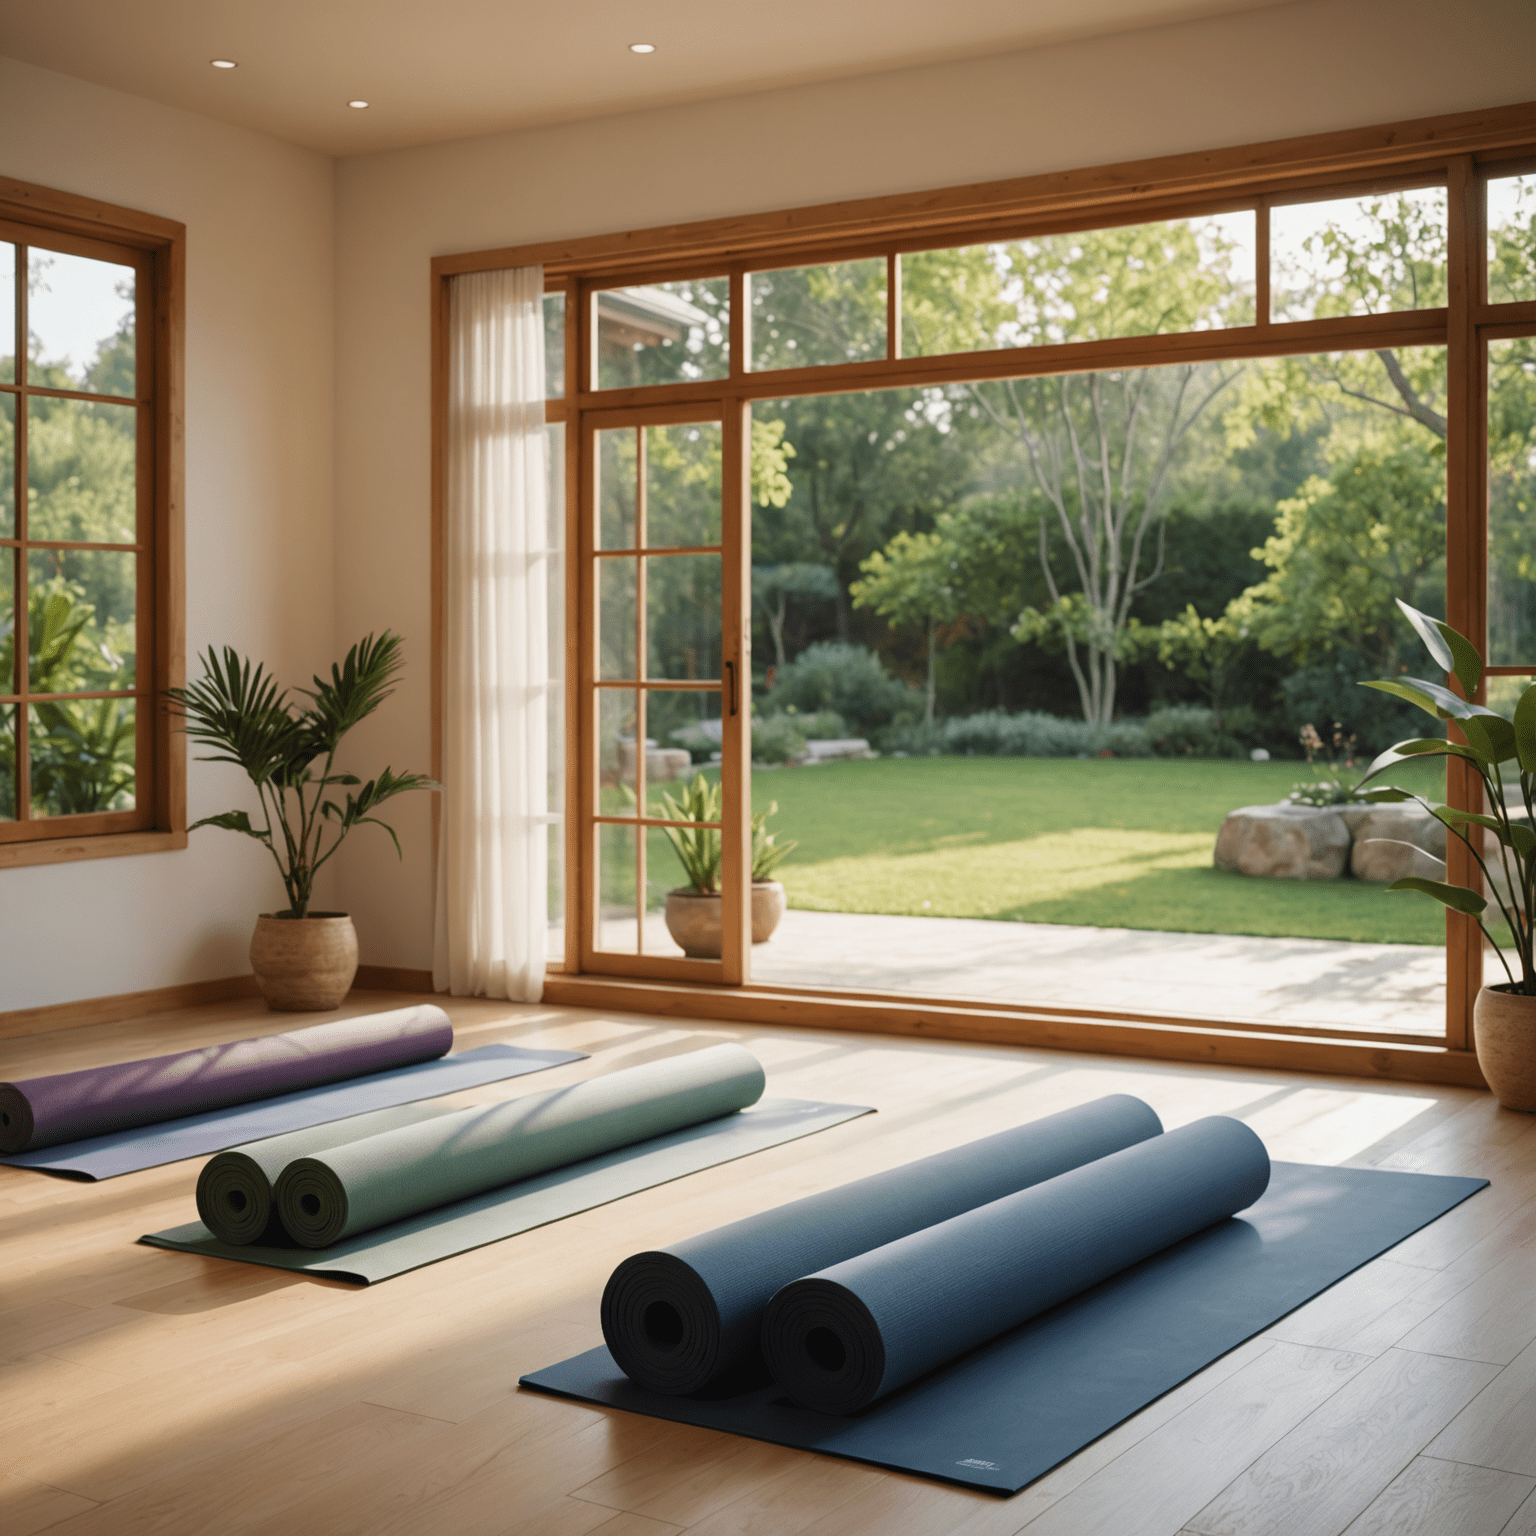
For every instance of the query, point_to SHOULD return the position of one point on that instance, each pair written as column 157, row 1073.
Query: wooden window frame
column 1456, row 151
column 157, row 248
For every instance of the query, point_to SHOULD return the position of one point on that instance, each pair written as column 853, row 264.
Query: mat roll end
column 824, row 1347
column 311, row 1203
column 15, row 1119
column 234, row 1199
column 661, row 1324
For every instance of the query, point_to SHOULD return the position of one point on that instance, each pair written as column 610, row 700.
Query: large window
column 89, row 467
column 1067, row 471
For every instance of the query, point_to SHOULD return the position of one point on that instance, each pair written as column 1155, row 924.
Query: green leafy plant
column 241, row 712
column 1334, row 758
column 1491, row 741
column 698, row 847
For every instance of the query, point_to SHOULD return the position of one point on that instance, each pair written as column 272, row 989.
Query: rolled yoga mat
column 353, row 1188
column 235, row 1189
column 687, row 1318
column 837, row 1340
column 68, row 1106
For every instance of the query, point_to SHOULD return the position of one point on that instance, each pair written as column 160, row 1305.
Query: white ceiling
column 440, row 69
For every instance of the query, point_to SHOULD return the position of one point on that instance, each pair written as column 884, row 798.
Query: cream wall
column 259, row 431
column 1293, row 69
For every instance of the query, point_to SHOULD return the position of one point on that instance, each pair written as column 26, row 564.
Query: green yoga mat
column 345, row 1190
column 531, row 1202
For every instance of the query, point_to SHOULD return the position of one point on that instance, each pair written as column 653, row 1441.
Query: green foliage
column 767, row 851
column 241, row 712
column 779, row 738
column 847, row 679
column 1329, row 761
column 771, row 485
column 1509, row 870
column 697, row 847
column 1344, row 553
column 834, row 313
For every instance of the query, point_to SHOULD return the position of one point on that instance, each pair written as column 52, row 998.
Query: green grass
column 1102, row 842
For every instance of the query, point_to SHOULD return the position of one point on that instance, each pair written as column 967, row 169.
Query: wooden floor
column 147, row 1391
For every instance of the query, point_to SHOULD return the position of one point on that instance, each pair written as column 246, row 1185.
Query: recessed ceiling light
column 358, row 104
column 223, row 63
column 642, row 47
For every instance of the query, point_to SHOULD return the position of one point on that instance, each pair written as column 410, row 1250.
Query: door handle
column 730, row 672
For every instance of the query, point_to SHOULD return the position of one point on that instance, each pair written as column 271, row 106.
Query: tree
column 1099, row 448
column 774, row 585
column 1207, row 651
column 911, row 581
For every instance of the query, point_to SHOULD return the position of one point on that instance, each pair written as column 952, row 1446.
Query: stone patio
column 1300, row 983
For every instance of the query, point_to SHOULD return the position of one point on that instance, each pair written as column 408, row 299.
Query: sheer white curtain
column 493, row 854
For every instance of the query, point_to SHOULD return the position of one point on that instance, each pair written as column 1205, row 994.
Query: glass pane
column 664, row 876
column 618, row 926
column 82, row 757
column 617, row 715
column 80, row 323
column 1146, row 279
column 7, row 762
column 81, row 462
column 684, row 728
column 8, row 620
column 7, row 466
column 554, row 346
column 804, row 316
column 1511, row 502
column 616, row 475
column 1511, row 239
column 665, row 333
column 554, row 718
column 616, row 616
column 682, row 616
column 81, row 605
column 1358, row 255
column 682, row 485
column 7, row 313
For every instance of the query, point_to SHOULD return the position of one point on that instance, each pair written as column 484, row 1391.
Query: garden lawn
column 1098, row 842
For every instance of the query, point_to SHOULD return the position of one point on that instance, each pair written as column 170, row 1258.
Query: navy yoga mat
column 687, row 1318
column 1007, row 1412
column 104, row 1157
column 531, row 1202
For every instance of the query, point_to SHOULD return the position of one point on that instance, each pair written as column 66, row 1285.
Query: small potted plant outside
column 304, row 960
column 693, row 911
column 1502, row 843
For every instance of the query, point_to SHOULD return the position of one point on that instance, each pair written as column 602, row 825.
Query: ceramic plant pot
column 1504, row 1027
column 304, row 964
column 694, row 922
column 768, row 905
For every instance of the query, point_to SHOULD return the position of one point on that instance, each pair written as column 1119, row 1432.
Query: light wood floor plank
column 1498, row 1427
column 1443, row 1498
column 27, row 1507
column 1333, row 1464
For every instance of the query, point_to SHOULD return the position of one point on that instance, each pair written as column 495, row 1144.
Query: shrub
column 777, row 739
column 847, row 679
column 1187, row 730
column 995, row 733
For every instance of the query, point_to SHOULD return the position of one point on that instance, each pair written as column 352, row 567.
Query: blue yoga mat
column 148, row 1146
column 1006, row 1413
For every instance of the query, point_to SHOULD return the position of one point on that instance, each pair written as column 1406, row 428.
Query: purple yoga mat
column 44, row 1111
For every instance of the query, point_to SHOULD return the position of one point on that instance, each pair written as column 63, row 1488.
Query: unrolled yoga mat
column 104, row 1157
column 533, row 1202
column 687, row 1318
column 1005, row 1414
column 69, row 1106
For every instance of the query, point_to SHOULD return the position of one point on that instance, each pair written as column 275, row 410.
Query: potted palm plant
column 693, row 912
column 303, row 960
column 1501, row 842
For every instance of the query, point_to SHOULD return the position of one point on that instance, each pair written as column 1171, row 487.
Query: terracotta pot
column 304, row 964
column 768, row 903
column 1504, row 1027
column 694, row 922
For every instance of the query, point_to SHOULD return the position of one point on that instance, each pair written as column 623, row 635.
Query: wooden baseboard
column 1389, row 1061
column 392, row 978
column 123, row 1005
